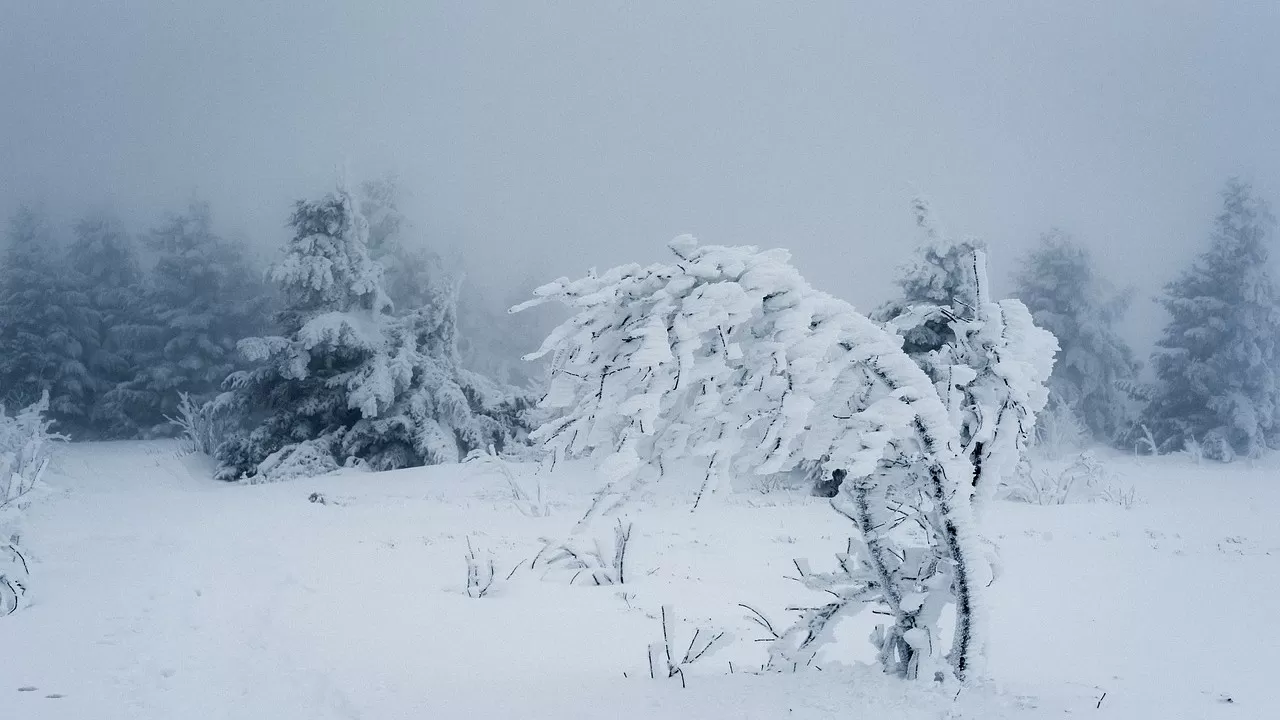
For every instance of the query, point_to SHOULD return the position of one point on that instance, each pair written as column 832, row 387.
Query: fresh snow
column 159, row 593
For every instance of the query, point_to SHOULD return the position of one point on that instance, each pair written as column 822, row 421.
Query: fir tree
column 105, row 260
column 46, row 326
column 1216, row 363
column 943, row 274
column 1059, row 285
column 409, row 266
column 201, row 298
column 349, row 382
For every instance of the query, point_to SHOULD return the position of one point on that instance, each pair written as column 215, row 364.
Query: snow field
column 162, row 594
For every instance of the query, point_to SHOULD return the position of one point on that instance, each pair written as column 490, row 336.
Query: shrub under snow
column 25, row 449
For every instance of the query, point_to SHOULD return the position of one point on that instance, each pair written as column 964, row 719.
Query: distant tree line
column 1214, row 384
column 347, row 345
column 360, row 345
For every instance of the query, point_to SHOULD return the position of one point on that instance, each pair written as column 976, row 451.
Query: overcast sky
column 591, row 132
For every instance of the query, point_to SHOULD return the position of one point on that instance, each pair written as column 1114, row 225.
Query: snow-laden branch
column 727, row 355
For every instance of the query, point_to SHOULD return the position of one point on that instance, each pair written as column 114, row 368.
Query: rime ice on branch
column 727, row 355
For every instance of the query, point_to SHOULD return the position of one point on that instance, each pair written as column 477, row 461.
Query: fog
column 560, row 135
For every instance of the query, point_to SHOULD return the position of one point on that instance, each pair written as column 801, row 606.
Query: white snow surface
column 159, row 593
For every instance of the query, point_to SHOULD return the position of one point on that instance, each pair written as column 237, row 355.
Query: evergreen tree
column 945, row 273
column 1216, row 363
column 1059, row 285
column 105, row 260
column 201, row 298
column 409, row 266
column 348, row 381
column 490, row 341
column 46, row 326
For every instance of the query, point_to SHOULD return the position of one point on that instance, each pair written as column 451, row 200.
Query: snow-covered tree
column 348, row 381
column 988, row 360
column 1059, row 284
column 1216, row 364
column 201, row 298
column 728, row 357
column 106, row 265
column 489, row 340
column 46, row 325
column 410, row 267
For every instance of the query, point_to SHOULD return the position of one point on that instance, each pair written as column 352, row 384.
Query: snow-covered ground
column 159, row 593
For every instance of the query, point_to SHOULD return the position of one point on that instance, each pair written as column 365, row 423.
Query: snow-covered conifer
column 348, row 380
column 106, row 264
column 1060, row 286
column 410, row 267
column 46, row 325
column 201, row 298
column 1216, row 364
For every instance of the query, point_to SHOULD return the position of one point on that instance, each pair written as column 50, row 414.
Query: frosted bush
column 25, row 451
column 531, row 502
column 1060, row 430
column 581, row 563
column 204, row 425
column 1082, row 480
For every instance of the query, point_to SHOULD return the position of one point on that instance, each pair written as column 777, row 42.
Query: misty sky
column 591, row 132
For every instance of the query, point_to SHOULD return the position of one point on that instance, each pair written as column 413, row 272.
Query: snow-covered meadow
column 160, row 593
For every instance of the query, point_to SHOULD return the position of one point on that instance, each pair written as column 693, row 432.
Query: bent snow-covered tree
column 727, row 355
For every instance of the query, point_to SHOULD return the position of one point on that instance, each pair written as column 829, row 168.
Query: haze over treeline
column 574, row 134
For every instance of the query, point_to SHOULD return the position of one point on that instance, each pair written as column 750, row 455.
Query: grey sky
column 590, row 132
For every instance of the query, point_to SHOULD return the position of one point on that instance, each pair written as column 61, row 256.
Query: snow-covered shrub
column 666, row 659
column 1060, row 430
column 729, row 357
column 480, row 572
column 581, row 563
column 25, row 451
column 1145, row 443
column 1083, row 479
column 204, row 426
column 26, row 446
column 352, row 378
column 531, row 503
